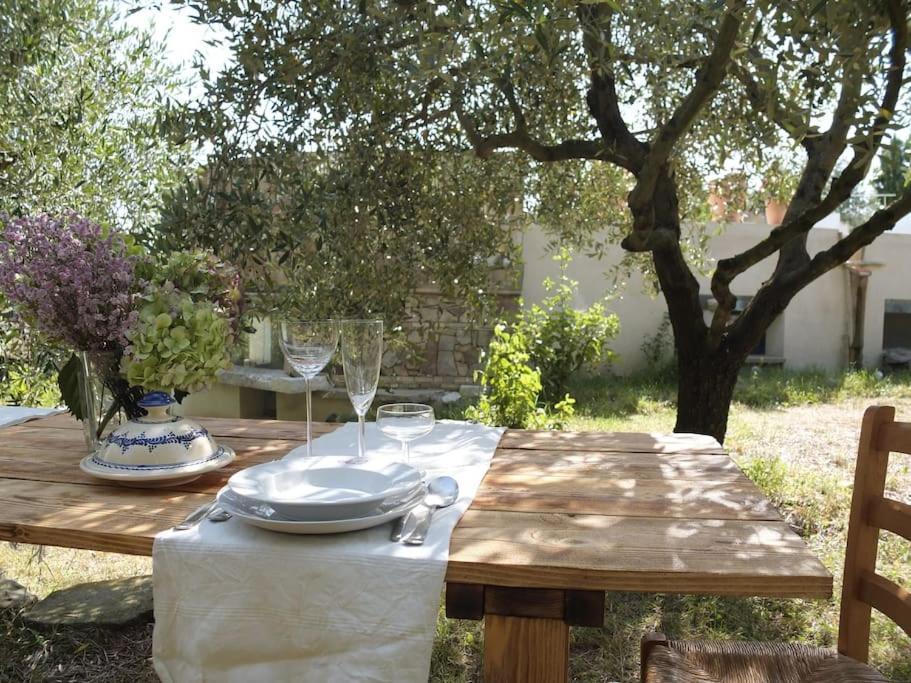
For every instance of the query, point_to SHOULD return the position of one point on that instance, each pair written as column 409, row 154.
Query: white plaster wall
column 640, row 314
column 812, row 332
column 891, row 280
column 817, row 321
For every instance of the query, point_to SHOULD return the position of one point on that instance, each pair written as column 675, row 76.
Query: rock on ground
column 101, row 603
column 14, row 595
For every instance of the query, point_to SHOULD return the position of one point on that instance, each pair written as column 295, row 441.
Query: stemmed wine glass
column 308, row 345
column 405, row 422
column 362, row 354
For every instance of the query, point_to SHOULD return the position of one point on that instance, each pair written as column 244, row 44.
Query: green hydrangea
column 177, row 343
column 205, row 277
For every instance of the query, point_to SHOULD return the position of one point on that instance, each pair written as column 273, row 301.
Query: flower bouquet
column 134, row 323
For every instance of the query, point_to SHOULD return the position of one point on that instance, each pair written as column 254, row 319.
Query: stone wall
column 444, row 344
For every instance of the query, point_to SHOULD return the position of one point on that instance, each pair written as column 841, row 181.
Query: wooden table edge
column 811, row 586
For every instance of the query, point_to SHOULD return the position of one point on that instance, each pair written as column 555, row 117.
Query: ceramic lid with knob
column 158, row 439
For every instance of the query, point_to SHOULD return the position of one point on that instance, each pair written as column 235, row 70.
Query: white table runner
column 236, row 603
column 13, row 415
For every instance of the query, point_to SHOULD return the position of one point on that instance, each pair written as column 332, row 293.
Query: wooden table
column 560, row 518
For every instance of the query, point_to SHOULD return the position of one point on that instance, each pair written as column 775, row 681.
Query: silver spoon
column 442, row 492
column 406, row 523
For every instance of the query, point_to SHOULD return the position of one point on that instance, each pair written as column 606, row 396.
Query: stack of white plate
column 322, row 495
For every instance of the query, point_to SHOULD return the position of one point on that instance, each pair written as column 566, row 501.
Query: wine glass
column 405, row 422
column 362, row 354
column 308, row 345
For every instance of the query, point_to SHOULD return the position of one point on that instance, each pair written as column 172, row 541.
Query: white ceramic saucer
column 264, row 517
column 154, row 476
column 324, row 488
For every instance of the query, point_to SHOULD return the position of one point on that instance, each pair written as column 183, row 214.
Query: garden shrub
column 511, row 387
column 530, row 362
column 561, row 340
column 658, row 349
column 28, row 369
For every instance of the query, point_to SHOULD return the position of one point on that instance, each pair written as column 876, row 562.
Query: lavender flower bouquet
column 162, row 325
column 75, row 282
column 70, row 278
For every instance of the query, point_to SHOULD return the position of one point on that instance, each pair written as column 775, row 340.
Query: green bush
column 561, row 340
column 28, row 368
column 511, row 388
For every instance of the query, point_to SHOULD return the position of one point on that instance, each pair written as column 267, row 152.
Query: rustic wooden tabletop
column 560, row 518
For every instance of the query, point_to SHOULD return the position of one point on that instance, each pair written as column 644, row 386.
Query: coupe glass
column 405, row 422
column 308, row 345
column 362, row 354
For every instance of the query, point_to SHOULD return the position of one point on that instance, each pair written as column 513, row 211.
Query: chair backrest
column 871, row 511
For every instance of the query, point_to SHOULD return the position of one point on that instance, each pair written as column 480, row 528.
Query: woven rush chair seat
column 696, row 661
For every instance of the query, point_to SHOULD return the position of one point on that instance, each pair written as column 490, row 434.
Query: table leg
column 526, row 630
column 525, row 649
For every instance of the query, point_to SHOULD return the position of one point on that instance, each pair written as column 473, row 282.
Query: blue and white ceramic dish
column 158, row 449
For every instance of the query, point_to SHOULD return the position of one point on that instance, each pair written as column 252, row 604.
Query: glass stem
column 309, row 418
column 361, row 438
column 407, row 451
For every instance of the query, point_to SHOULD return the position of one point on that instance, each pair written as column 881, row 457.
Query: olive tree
column 660, row 94
column 82, row 100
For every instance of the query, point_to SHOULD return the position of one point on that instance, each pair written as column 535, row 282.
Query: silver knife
column 196, row 516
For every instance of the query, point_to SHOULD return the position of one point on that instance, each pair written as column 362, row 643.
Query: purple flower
column 69, row 277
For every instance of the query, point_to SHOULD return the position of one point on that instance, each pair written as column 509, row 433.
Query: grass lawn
column 795, row 435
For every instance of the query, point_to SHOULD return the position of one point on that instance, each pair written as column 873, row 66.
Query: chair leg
column 649, row 642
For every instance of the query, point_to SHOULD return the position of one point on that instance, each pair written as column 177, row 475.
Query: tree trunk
column 705, row 388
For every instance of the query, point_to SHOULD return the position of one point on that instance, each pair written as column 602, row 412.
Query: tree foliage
column 82, row 98
column 894, row 168
column 352, row 231
column 601, row 104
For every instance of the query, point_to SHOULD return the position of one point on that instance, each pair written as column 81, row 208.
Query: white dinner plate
column 266, row 518
column 324, row 488
column 152, row 476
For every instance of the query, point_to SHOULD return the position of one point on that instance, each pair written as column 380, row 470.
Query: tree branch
column 509, row 91
column 603, row 103
column 708, row 80
column 519, row 139
column 866, row 147
column 794, row 123
column 881, row 221
column 807, row 209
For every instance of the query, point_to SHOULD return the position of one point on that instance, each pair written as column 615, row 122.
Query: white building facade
column 817, row 328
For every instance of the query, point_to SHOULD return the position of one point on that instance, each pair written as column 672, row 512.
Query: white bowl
column 266, row 518
column 158, row 439
column 324, row 488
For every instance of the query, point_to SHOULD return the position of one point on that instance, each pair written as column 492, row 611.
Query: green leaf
column 613, row 4
column 68, row 380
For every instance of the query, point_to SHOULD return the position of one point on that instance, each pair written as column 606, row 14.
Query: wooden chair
column 676, row 661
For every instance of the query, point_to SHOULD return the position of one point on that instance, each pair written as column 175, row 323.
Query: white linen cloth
column 236, row 603
column 13, row 415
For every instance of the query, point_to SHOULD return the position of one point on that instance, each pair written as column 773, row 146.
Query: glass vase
column 100, row 409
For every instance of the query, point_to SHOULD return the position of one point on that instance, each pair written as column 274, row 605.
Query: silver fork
column 195, row 517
